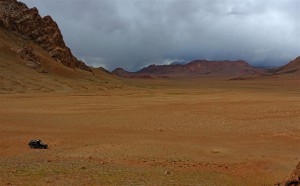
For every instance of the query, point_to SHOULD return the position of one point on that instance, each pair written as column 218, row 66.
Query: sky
column 135, row 33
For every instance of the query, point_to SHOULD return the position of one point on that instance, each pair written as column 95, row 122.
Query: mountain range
column 196, row 68
column 32, row 50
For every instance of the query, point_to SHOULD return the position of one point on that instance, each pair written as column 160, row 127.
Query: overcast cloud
column 134, row 33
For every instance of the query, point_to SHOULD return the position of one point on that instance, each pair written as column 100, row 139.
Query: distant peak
column 119, row 70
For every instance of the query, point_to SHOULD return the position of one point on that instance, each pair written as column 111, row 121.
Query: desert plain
column 203, row 131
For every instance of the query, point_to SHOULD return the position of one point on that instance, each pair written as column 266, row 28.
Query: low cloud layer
column 134, row 33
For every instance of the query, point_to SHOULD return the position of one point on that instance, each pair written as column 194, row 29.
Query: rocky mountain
column 17, row 17
column 195, row 68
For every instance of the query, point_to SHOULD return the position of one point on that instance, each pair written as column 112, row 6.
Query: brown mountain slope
column 292, row 67
column 196, row 68
column 31, row 69
column 16, row 16
column 122, row 73
column 34, row 57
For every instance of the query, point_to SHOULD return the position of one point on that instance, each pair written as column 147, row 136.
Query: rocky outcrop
column 293, row 179
column 28, row 55
column 16, row 16
column 196, row 68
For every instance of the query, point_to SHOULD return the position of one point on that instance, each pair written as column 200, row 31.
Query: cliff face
column 16, row 16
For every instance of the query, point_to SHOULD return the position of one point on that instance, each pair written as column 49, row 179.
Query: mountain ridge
column 193, row 69
column 17, row 17
column 293, row 67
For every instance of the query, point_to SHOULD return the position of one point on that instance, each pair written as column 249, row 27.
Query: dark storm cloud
column 135, row 33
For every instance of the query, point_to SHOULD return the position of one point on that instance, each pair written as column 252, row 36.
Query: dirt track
column 194, row 134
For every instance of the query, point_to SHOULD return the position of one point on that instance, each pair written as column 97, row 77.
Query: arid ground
column 162, row 132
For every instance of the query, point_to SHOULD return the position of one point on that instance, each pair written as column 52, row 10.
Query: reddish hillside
column 196, row 68
column 292, row 67
column 122, row 73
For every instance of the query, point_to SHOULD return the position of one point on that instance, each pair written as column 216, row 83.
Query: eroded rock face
column 294, row 179
column 28, row 55
column 16, row 16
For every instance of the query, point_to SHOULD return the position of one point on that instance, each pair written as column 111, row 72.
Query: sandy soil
column 196, row 132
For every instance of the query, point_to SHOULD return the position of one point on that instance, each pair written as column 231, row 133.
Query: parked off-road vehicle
column 37, row 144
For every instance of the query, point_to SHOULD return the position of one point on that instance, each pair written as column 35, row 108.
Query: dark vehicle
column 37, row 144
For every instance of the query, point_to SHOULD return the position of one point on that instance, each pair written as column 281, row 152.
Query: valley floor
column 164, row 133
